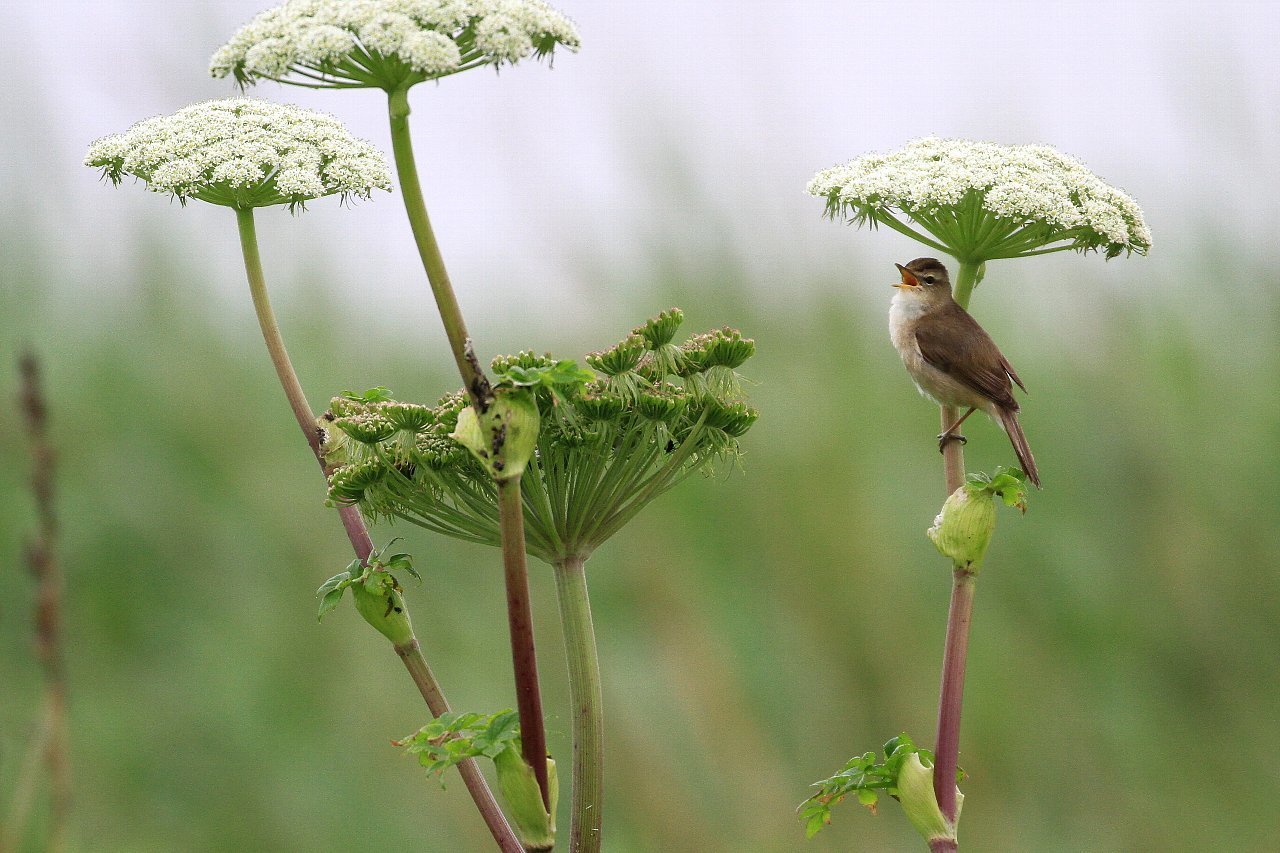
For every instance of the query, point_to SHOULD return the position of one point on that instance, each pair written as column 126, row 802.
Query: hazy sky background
column 691, row 126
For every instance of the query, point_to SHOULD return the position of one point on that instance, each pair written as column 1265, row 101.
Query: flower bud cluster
column 655, row 413
column 388, row 44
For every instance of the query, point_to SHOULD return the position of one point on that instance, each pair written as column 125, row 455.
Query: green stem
column 455, row 328
column 955, row 651
column 424, row 678
column 524, row 659
column 588, row 705
column 886, row 218
column 510, row 511
column 353, row 523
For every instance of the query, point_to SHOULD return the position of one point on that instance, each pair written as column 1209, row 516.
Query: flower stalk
column 959, row 614
column 511, row 529
column 588, row 705
column 357, row 532
column 424, row 237
column 520, row 620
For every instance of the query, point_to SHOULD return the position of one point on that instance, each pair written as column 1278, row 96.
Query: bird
column 951, row 358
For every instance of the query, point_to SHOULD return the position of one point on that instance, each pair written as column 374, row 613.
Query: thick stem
column 425, row 679
column 588, row 706
column 352, row 522
column 942, row 845
column 524, row 657
column 951, row 693
column 429, row 250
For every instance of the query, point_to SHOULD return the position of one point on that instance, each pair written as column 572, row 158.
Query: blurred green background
column 756, row 628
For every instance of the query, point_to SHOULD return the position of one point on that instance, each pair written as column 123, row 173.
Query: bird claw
column 950, row 436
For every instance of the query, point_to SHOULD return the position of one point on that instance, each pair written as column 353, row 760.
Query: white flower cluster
column 381, row 42
column 1025, row 184
column 243, row 152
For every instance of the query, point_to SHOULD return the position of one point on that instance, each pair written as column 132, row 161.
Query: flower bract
column 388, row 44
column 606, row 447
column 243, row 153
column 979, row 201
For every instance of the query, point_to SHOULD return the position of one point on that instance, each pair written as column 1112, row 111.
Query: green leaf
column 865, row 777
column 342, row 579
column 454, row 737
column 373, row 395
column 330, row 601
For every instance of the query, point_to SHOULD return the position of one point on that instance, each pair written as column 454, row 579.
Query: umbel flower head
column 978, row 201
column 655, row 413
column 388, row 44
column 243, row 153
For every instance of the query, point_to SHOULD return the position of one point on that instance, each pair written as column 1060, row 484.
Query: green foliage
column 454, row 737
column 373, row 395
column 1008, row 484
column 605, row 447
column 866, row 777
column 563, row 377
column 372, row 576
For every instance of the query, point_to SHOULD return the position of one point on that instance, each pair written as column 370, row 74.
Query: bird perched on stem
column 952, row 359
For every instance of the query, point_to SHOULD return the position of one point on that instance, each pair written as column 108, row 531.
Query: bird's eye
column 928, row 279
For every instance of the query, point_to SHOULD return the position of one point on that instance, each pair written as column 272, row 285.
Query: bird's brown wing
column 959, row 347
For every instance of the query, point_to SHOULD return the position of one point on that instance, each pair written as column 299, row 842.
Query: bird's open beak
column 908, row 277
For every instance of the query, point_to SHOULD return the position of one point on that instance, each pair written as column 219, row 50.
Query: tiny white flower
column 243, row 152
column 388, row 44
column 983, row 201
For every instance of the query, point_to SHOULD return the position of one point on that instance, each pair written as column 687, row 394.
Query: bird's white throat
column 907, row 305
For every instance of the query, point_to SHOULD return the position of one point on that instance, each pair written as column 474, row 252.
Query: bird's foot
column 950, row 436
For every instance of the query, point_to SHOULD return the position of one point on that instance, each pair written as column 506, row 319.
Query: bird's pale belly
column 940, row 387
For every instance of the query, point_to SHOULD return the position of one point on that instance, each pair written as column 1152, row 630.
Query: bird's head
column 924, row 279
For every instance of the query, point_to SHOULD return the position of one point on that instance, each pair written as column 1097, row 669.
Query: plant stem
column 588, row 705
column 955, row 652
column 524, row 659
column 353, row 523
column 424, row 678
column 429, row 250
column 50, row 741
column 511, row 512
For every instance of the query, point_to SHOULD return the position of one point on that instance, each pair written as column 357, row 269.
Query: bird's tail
column 1009, row 420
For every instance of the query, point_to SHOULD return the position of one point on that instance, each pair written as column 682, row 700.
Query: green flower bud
column 719, row 348
column 726, row 348
column 340, row 407
column 348, row 484
column 520, row 791
column 366, row 427
column 505, row 436
column 439, row 452
column 597, row 404
column 379, row 601
column 664, row 404
column 962, row 531
column 734, row 419
column 527, row 359
column 620, row 358
column 661, row 329
column 915, row 792
column 410, row 417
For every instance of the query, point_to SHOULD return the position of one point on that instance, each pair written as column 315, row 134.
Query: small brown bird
column 952, row 360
